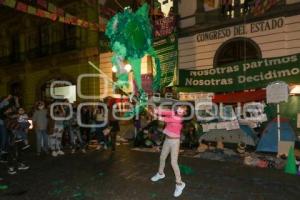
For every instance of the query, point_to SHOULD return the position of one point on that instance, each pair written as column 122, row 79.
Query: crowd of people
column 56, row 128
column 59, row 126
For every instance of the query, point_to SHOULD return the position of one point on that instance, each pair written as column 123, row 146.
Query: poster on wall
column 164, row 27
column 165, row 39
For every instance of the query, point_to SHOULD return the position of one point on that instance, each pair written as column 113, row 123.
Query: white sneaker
column 60, row 152
column 157, row 177
column 98, row 147
column 26, row 147
column 73, row 151
column 22, row 166
column 12, row 171
column 179, row 189
column 54, row 153
column 83, row 151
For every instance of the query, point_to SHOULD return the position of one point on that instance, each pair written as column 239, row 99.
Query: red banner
column 74, row 20
column 85, row 24
column 60, row 12
column 241, row 97
column 164, row 27
column 42, row 3
column 53, row 16
column 22, row 7
column 40, row 13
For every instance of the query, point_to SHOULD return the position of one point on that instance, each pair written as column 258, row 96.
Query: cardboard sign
column 277, row 92
column 298, row 120
column 284, row 147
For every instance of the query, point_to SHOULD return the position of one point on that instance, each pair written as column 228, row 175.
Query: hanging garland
column 53, row 13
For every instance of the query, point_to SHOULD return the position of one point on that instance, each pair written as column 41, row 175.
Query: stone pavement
column 124, row 175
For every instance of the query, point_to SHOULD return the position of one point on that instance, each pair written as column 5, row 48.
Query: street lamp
column 114, row 69
column 128, row 67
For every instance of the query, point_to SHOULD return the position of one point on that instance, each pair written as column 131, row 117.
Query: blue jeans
column 76, row 135
column 41, row 136
column 22, row 135
column 99, row 133
column 3, row 137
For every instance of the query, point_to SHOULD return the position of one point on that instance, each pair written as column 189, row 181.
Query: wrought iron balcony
column 42, row 51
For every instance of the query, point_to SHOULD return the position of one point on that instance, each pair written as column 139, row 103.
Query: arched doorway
column 235, row 50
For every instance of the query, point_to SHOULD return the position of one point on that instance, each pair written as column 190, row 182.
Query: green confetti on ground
column 79, row 195
column 186, row 170
column 153, row 195
column 3, row 187
column 100, row 174
column 66, row 188
column 57, row 182
column 56, row 192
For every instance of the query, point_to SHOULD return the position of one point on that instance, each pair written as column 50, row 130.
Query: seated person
column 190, row 138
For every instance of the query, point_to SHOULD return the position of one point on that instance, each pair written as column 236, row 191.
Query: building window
column 15, row 48
column 44, row 40
column 236, row 8
column 235, row 50
column 4, row 54
column 57, row 38
column 70, row 38
column 32, row 43
column 31, row 40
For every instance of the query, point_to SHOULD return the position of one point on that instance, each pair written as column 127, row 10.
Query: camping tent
column 244, row 134
column 269, row 139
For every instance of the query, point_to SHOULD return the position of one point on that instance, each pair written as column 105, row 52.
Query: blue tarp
column 249, row 131
column 269, row 139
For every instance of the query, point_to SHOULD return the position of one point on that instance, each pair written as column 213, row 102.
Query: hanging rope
column 118, row 3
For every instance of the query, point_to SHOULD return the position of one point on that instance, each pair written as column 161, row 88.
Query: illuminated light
column 128, row 67
column 114, row 69
column 295, row 89
column 31, row 124
column 165, row 6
